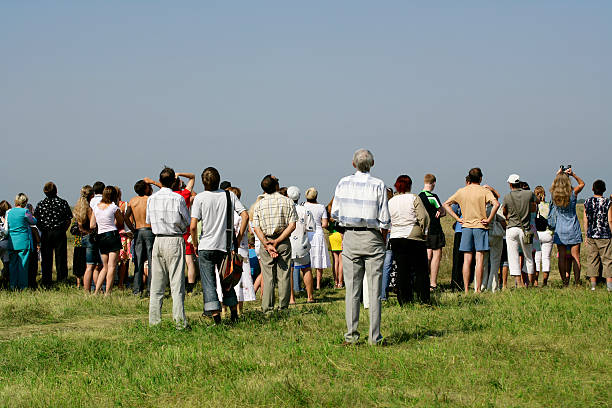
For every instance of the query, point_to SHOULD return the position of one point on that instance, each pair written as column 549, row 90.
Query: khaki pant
column 275, row 272
column 363, row 256
column 168, row 266
column 599, row 253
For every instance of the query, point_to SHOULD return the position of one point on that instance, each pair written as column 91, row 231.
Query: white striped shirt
column 361, row 201
column 167, row 213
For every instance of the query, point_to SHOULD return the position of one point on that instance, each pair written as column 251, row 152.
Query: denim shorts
column 92, row 253
column 474, row 239
column 109, row 242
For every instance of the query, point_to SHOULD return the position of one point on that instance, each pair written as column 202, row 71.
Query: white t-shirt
column 105, row 218
column 318, row 211
column 403, row 215
column 210, row 207
column 95, row 200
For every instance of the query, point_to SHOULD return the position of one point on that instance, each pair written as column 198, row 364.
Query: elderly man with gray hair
column 360, row 207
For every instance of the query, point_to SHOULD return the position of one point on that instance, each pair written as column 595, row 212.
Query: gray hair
column 363, row 160
column 21, row 200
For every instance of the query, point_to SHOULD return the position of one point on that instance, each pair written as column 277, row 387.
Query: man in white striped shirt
column 360, row 207
column 168, row 215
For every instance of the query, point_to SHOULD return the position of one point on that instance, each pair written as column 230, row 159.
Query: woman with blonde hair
column 563, row 219
column 18, row 225
column 83, row 214
column 319, row 257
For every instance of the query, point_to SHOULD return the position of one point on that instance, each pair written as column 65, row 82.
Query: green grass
column 545, row 347
column 536, row 347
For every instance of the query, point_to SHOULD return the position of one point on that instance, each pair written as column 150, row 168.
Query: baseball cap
column 293, row 193
column 514, row 178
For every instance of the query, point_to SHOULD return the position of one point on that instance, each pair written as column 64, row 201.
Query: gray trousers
column 168, row 266
column 363, row 255
column 276, row 273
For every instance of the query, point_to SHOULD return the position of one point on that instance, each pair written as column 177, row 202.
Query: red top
column 186, row 194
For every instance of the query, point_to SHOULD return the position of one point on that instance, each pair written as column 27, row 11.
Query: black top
column 53, row 214
column 432, row 205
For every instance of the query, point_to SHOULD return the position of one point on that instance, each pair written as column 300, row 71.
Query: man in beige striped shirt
column 274, row 219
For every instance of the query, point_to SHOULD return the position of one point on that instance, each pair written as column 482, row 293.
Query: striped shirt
column 273, row 213
column 361, row 201
column 167, row 213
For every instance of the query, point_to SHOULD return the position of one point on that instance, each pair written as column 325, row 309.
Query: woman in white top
column 109, row 219
column 409, row 226
column 545, row 235
column 319, row 256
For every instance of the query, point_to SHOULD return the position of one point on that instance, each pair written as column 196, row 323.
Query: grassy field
column 536, row 347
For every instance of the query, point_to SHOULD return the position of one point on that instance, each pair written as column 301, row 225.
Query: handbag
column 541, row 223
column 230, row 271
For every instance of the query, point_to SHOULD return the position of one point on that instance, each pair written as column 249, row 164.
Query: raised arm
column 191, row 181
column 580, row 185
column 152, row 182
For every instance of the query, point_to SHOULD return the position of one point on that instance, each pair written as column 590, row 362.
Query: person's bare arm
column 152, row 182
column 491, row 189
column 244, row 222
column 119, row 220
column 449, row 210
column 488, row 220
column 92, row 221
column 191, row 181
column 284, row 235
column 128, row 219
column 609, row 218
column 324, row 222
column 268, row 245
column 580, row 182
column 193, row 229
column 585, row 220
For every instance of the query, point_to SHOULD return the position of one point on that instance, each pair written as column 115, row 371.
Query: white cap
column 514, row 178
column 293, row 193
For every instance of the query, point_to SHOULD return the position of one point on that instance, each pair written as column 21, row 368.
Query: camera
column 566, row 167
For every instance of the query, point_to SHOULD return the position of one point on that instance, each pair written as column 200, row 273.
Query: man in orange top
column 473, row 200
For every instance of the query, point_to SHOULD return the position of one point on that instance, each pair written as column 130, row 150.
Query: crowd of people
column 379, row 240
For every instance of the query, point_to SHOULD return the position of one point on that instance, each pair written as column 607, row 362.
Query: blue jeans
column 143, row 251
column 386, row 274
column 208, row 261
column 296, row 280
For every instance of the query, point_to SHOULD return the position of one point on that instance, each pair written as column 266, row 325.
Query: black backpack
column 541, row 223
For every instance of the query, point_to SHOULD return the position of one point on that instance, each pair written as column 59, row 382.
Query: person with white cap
column 517, row 207
column 300, row 246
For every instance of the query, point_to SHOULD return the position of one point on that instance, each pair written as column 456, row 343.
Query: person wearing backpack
column 545, row 235
column 300, row 245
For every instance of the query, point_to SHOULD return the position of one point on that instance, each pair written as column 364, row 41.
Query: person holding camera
column 517, row 207
column 564, row 221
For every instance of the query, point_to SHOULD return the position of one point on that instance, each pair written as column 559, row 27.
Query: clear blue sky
column 114, row 90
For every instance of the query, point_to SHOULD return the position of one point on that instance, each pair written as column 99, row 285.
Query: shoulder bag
column 552, row 216
column 230, row 271
column 541, row 223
